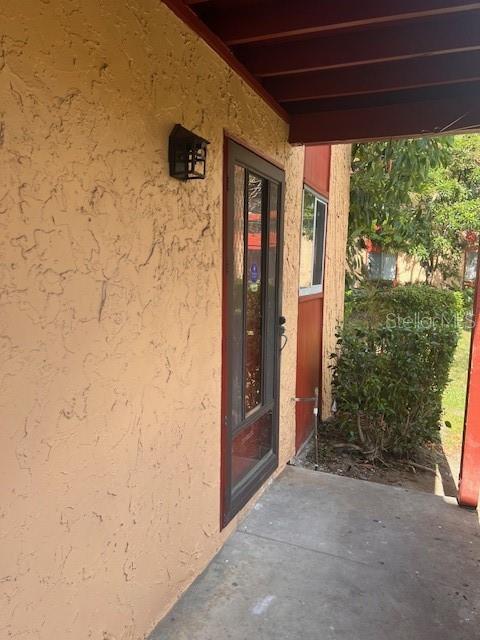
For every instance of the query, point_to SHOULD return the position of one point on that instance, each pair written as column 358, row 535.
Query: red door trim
column 256, row 150
column 224, row 369
column 469, row 483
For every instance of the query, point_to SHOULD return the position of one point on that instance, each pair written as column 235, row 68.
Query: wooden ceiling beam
column 453, row 114
column 384, row 77
column 368, row 100
column 218, row 3
column 271, row 19
column 444, row 34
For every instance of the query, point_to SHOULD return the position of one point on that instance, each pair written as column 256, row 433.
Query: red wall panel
column 310, row 309
column 317, row 168
column 309, row 356
column 469, row 485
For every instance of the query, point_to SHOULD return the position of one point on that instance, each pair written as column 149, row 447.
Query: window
column 312, row 244
column 382, row 266
column 471, row 258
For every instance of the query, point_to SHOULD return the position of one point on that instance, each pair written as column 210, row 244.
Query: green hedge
column 468, row 295
column 392, row 366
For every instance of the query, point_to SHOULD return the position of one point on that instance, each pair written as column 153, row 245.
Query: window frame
column 313, row 288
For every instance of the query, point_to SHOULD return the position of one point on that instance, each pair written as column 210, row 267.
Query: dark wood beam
column 452, row 114
column 271, row 19
column 444, row 34
column 383, row 77
column 220, row 3
column 360, row 101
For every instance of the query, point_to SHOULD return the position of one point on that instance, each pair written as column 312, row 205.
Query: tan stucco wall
column 110, row 327
column 409, row 269
column 335, row 263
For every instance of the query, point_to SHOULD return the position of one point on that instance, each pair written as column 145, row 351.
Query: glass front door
column 251, row 328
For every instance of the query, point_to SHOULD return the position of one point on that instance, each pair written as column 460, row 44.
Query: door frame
column 234, row 150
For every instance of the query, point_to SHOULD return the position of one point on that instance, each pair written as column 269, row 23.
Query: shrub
column 392, row 367
column 468, row 295
column 372, row 305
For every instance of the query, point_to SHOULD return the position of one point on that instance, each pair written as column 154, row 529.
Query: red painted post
column 469, row 484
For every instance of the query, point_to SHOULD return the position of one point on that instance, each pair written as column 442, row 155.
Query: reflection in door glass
column 237, row 292
column 253, row 339
column 251, row 445
column 271, row 311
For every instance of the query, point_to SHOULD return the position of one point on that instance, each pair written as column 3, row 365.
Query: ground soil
column 336, row 456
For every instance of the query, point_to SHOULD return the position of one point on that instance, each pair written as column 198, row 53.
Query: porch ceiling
column 350, row 70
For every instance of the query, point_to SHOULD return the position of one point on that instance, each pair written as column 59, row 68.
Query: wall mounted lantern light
column 187, row 154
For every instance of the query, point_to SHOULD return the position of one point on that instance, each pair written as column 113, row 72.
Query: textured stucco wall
column 409, row 269
column 335, row 263
column 110, row 325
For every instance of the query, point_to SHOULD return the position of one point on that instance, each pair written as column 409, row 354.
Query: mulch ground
column 336, row 456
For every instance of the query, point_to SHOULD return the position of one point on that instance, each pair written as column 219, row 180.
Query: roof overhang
column 350, row 69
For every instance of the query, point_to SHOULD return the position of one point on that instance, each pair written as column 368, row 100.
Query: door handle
column 281, row 325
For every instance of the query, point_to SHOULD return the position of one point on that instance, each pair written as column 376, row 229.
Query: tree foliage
column 384, row 175
column 417, row 196
column 445, row 209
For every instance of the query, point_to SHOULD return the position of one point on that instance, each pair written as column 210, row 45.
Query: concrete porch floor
column 321, row 557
